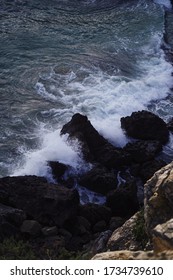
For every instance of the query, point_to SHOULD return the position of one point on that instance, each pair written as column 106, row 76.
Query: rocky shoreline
column 50, row 218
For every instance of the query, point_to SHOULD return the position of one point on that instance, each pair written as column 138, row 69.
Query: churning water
column 101, row 58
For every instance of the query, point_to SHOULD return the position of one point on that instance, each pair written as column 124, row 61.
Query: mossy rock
column 139, row 230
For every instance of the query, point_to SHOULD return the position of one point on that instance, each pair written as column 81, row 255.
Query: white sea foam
column 166, row 3
column 53, row 148
column 104, row 99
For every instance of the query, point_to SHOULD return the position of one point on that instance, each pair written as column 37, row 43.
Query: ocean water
column 101, row 58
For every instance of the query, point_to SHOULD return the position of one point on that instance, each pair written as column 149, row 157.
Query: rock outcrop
column 99, row 179
column 145, row 125
column 95, row 147
column 137, row 255
column 158, row 202
column 123, row 237
column 47, row 203
column 163, row 236
column 51, row 217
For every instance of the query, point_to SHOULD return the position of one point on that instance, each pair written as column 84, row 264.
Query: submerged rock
column 94, row 146
column 49, row 204
column 145, row 125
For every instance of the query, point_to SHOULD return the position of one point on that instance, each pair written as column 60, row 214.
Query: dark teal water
column 100, row 58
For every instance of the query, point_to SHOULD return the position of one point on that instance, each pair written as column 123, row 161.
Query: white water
column 165, row 3
column 104, row 99
column 81, row 66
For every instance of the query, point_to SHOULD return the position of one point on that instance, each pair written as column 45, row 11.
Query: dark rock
column 49, row 204
column 58, row 169
column 100, row 243
column 145, row 125
column 142, row 151
column 115, row 223
column 10, row 221
column 84, row 222
column 94, row 146
column 66, row 234
column 78, row 226
column 99, row 226
column 148, row 169
column 170, row 125
column 7, row 230
column 31, row 227
column 49, row 231
column 95, row 213
column 12, row 215
column 77, row 242
column 122, row 203
column 99, row 179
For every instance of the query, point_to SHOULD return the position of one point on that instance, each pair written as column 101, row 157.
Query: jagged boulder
column 158, row 202
column 94, row 146
column 142, row 151
column 58, row 169
column 49, row 204
column 95, row 213
column 147, row 169
column 99, row 179
column 145, row 125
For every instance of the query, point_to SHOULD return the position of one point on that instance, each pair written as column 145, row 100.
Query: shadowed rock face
column 145, row 125
column 47, row 203
column 99, row 179
column 94, row 146
column 10, row 221
column 142, row 151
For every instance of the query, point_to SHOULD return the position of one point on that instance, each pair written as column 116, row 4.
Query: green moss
column 11, row 249
column 72, row 255
column 139, row 230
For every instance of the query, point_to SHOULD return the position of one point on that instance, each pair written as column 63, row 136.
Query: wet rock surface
column 51, row 217
column 145, row 125
column 94, row 146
